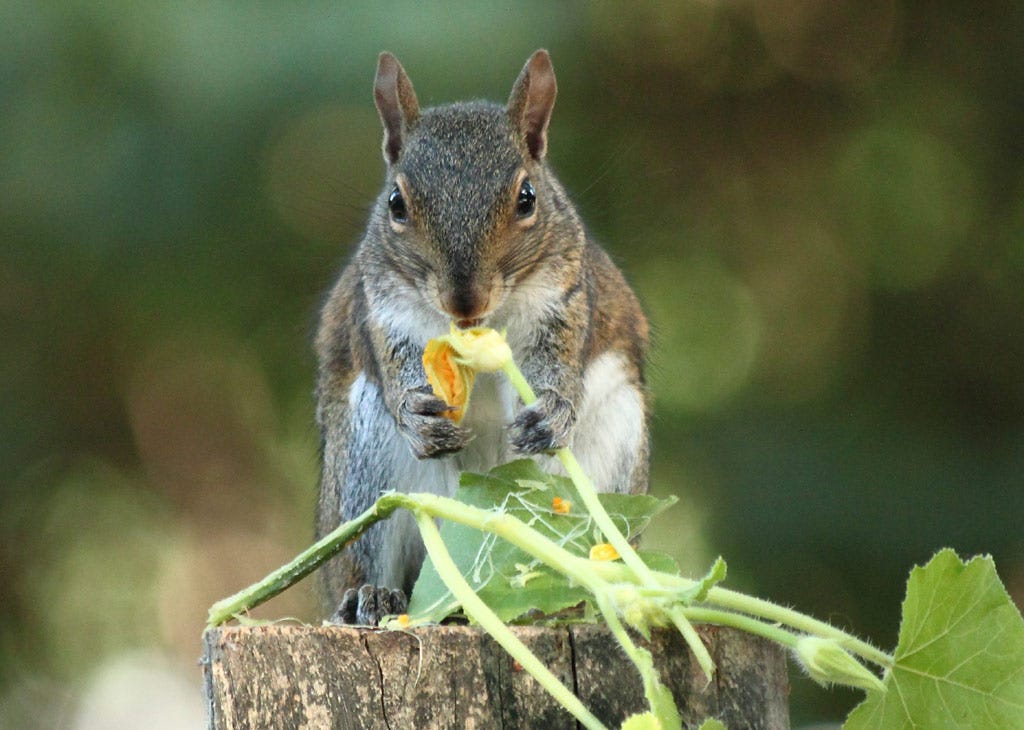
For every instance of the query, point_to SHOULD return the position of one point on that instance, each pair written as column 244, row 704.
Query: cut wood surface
column 443, row 677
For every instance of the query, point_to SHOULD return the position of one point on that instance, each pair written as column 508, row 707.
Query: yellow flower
column 403, row 620
column 450, row 380
column 561, row 506
column 481, row 348
column 452, row 361
column 604, row 551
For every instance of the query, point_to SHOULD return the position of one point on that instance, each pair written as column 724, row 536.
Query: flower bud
column 827, row 662
column 561, row 506
column 604, row 551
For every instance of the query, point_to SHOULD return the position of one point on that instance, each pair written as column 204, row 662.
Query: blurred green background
column 820, row 203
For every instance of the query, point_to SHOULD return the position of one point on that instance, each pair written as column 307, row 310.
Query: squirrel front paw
column 366, row 606
column 543, row 426
column 422, row 420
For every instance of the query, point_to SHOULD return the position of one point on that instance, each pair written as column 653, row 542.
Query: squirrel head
column 470, row 207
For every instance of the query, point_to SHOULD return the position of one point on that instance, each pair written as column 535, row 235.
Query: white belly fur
column 610, row 424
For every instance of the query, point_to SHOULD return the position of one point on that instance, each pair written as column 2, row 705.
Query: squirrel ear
column 396, row 103
column 531, row 101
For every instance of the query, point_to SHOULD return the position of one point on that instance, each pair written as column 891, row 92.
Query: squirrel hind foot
column 367, row 605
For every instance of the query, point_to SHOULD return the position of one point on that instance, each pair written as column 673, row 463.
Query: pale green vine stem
column 773, row 612
column 740, row 603
column 749, row 624
column 611, row 532
column 478, row 611
column 519, row 383
column 693, row 640
column 660, row 701
column 597, row 575
column 584, row 486
column 588, row 495
column 516, row 532
column 584, row 571
column 301, row 565
column 593, row 575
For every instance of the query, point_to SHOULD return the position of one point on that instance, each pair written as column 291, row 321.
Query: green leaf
column 960, row 658
column 659, row 561
column 714, row 576
column 508, row 580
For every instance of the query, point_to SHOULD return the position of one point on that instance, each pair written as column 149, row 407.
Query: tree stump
column 443, row 677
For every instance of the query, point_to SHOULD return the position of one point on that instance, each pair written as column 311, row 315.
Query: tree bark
column 442, row 677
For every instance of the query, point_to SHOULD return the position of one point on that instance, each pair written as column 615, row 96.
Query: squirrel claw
column 366, row 606
column 422, row 402
column 543, row 426
column 437, row 437
column 423, row 422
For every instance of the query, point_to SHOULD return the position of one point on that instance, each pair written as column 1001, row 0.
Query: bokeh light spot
column 812, row 302
column 827, row 40
column 707, row 331
column 321, row 172
column 140, row 690
column 102, row 539
column 909, row 201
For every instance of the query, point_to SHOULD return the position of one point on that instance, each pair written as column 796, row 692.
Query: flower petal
column 450, row 380
column 481, row 348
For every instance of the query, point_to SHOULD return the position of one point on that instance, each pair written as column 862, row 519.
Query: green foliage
column 960, row 658
column 506, row 578
column 716, row 574
column 958, row 662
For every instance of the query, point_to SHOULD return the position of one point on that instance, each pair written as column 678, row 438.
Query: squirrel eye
column 396, row 205
column 526, row 203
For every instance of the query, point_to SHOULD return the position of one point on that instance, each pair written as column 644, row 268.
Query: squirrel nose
column 466, row 306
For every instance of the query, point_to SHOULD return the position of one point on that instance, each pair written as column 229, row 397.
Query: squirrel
column 471, row 227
